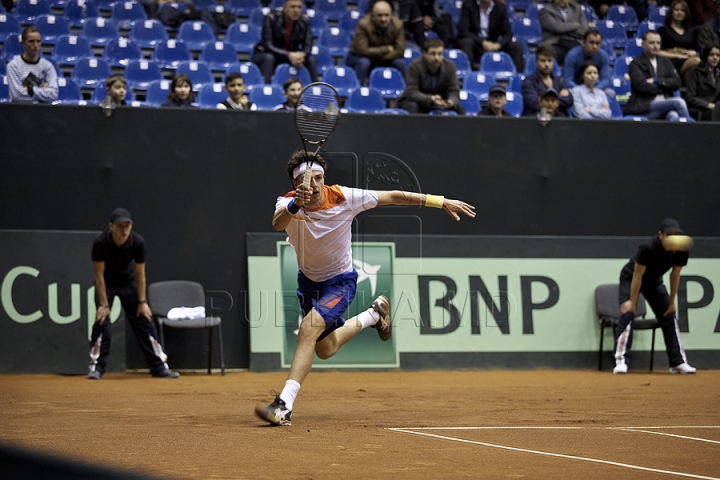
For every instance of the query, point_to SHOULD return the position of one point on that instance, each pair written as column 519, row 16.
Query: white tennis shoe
column 683, row 369
column 620, row 368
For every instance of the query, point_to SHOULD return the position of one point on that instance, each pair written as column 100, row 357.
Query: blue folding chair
column 533, row 12
column 498, row 64
column 613, row 33
column 530, row 66
column 242, row 37
column 388, row 81
column 646, row 26
column 323, row 59
column 105, row 5
column 365, row 100
column 196, row 35
column 219, row 55
column 70, row 48
column 284, row 71
column 344, row 79
column 411, row 53
column 633, row 47
column 515, row 84
column 624, row 15
column 620, row 67
column 336, row 41
column 88, row 72
column 99, row 31
column 200, row 4
column 622, row 89
column 148, row 33
column 211, row 94
column 199, row 73
column 100, row 92
column 591, row 15
column 609, row 49
column 657, row 14
column 461, row 61
column 52, row 27
column 523, row 5
column 318, row 21
column 333, row 9
column 528, row 31
column 479, row 83
column 68, row 91
column 257, row 16
column 9, row 24
column 78, row 12
column 615, row 108
column 170, row 53
column 120, row 52
column 12, row 47
column 243, row 8
column 470, row 102
column 250, row 73
column 27, row 11
column 266, row 97
column 349, row 20
column 157, row 93
column 141, row 73
column 514, row 104
column 454, row 9
column 126, row 13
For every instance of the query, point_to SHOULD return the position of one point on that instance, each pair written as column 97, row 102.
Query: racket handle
column 307, row 177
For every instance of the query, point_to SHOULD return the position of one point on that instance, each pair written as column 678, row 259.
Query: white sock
column 289, row 393
column 368, row 318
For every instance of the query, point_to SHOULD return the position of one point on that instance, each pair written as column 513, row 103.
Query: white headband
column 300, row 169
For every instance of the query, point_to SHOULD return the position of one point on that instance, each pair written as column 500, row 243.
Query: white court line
column 559, row 455
column 673, row 426
column 670, row 435
column 492, row 428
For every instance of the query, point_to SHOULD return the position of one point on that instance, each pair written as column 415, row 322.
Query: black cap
column 550, row 91
column 120, row 215
column 497, row 88
column 670, row 225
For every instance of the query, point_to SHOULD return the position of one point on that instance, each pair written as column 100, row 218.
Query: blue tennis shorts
column 330, row 298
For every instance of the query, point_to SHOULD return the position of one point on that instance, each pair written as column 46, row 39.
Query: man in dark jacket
column 536, row 85
column 431, row 82
column 485, row 27
column 286, row 38
column 653, row 79
column 709, row 33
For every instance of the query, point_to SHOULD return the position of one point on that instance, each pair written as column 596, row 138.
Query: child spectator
column 589, row 101
column 116, row 87
column 550, row 102
column 292, row 88
column 181, row 94
column 238, row 99
column 497, row 99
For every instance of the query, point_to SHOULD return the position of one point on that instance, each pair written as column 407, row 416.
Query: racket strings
column 317, row 114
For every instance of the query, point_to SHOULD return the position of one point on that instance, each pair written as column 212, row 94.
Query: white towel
column 186, row 313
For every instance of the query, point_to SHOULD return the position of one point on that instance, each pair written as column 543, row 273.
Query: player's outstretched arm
column 452, row 207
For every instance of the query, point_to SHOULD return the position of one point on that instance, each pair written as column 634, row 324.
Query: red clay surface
column 203, row 427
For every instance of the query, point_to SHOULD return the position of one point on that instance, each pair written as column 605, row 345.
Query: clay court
column 433, row 424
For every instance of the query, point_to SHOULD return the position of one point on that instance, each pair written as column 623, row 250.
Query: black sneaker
column 166, row 374
column 94, row 375
column 275, row 413
column 384, row 327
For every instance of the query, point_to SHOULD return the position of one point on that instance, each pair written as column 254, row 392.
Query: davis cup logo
column 373, row 262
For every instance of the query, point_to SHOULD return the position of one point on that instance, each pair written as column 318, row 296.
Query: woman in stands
column 703, row 84
column 181, row 94
column 588, row 100
column 678, row 38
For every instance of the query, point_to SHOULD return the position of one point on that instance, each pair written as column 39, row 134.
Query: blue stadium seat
column 126, row 13
column 591, row 15
column 105, row 5
column 514, row 105
column 411, row 53
column 520, row 4
column 344, row 79
column 4, row 90
column 388, row 81
column 242, row 36
column 394, row 111
column 170, row 53
column 27, row 11
column 68, row 91
column 512, row 16
column 243, row 8
column 120, row 52
column 199, row 73
column 52, row 27
column 657, row 14
column 646, row 26
column 622, row 89
column 257, row 16
column 446, row 113
column 3, row 68
column 609, row 49
column 78, row 12
column 479, row 83
column 633, row 47
column 266, row 97
column 284, row 71
column 200, row 4
column 99, row 31
column 157, row 93
column 461, row 61
column 12, row 47
column 635, row 118
column 211, row 94
column 615, row 108
column 148, row 34
column 365, row 100
column 334, row 9
column 453, row 8
column 515, row 84
column 530, row 66
column 470, row 102
column 141, row 73
column 318, row 21
column 349, row 20
column 100, row 92
column 278, row 3
column 70, row 48
column 683, row 120
column 195, row 35
column 88, row 72
column 323, row 59
column 58, row 70
column 533, row 12
column 613, row 33
column 499, row 64
column 336, row 41
column 620, row 67
column 219, row 55
column 250, row 73
column 9, row 24
column 624, row 15
column 527, row 31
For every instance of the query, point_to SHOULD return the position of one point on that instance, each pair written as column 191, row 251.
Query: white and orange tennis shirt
column 322, row 238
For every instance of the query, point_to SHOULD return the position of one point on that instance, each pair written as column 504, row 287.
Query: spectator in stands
column 703, row 11
column 590, row 50
column 703, row 84
column 379, row 42
column 409, row 13
column 181, row 94
column 653, row 79
column 433, row 20
column 709, row 33
column 286, row 38
column 497, row 100
column 237, row 99
column 171, row 13
column 116, row 88
column 590, row 101
column 678, row 38
column 535, row 85
column 31, row 78
column 431, row 82
column 550, row 102
column 563, row 26
column 291, row 88
column 484, row 27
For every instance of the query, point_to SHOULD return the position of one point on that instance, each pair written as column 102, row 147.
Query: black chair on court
column 164, row 296
column 608, row 311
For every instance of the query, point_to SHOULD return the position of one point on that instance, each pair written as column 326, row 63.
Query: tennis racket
column 316, row 116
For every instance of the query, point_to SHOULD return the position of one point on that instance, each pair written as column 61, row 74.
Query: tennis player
column 318, row 220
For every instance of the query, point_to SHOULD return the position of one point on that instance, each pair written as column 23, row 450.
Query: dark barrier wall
column 197, row 181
